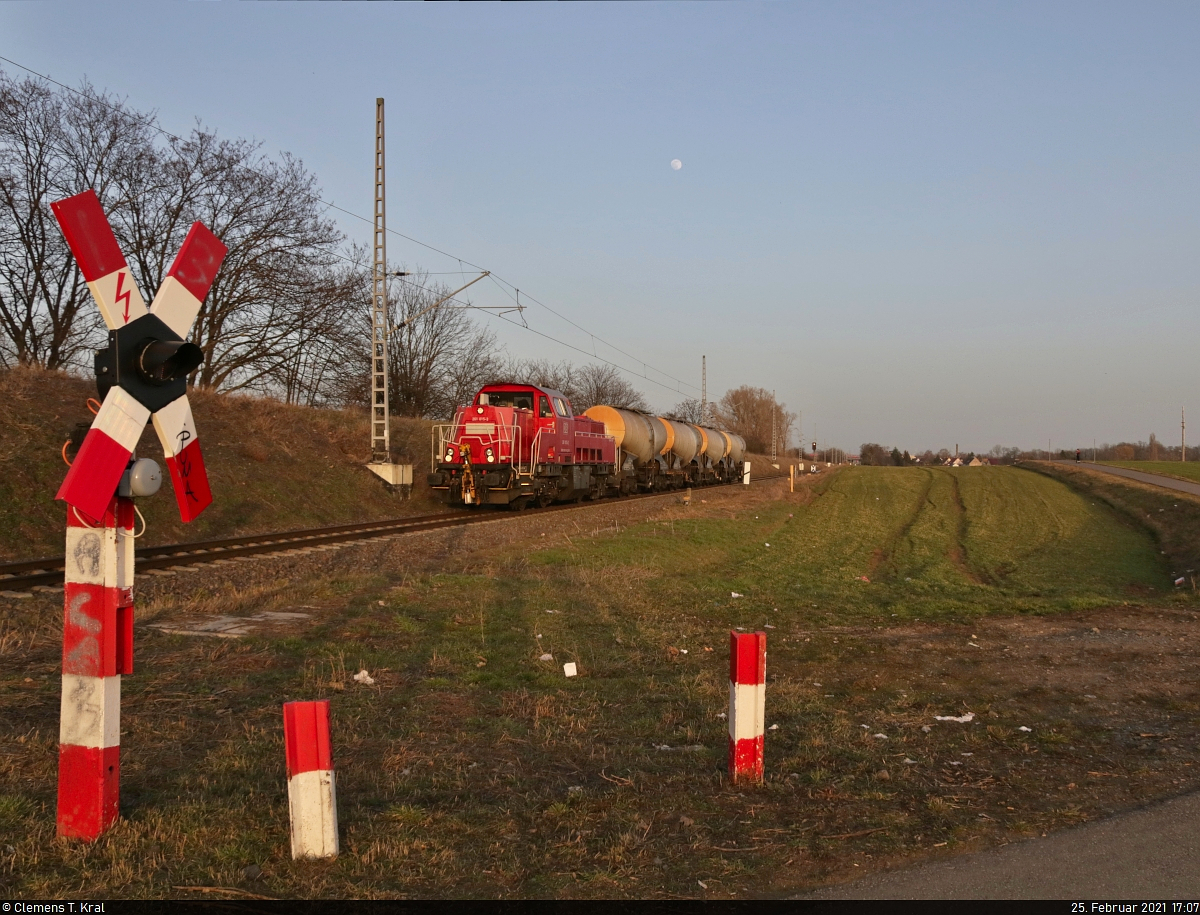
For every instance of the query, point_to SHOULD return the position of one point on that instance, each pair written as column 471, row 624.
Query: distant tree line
column 1152, row 450
column 874, row 454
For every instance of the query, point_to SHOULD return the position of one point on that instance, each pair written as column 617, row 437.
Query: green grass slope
column 930, row 543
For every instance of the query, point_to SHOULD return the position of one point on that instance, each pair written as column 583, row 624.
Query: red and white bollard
column 747, row 704
column 312, row 796
column 97, row 650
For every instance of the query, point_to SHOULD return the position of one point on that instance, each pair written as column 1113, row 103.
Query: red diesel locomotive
column 520, row 444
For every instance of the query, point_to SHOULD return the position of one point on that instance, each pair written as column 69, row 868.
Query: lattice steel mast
column 381, row 451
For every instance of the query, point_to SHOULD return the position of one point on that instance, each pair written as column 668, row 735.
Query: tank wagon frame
column 521, row 444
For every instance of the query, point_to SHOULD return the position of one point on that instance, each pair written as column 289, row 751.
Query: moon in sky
column 676, row 164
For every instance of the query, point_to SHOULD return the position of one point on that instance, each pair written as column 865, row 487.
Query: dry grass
column 272, row 466
column 473, row 769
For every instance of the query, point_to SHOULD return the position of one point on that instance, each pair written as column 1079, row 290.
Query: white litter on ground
column 926, row 728
column 735, row 594
column 546, row 657
column 909, row 762
column 961, row 719
column 880, row 736
column 773, row 727
column 569, row 669
column 364, row 678
column 1025, row 729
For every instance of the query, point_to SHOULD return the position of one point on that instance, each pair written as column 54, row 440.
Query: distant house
column 975, row 462
column 957, row 462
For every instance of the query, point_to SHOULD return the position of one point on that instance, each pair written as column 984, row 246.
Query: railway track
column 47, row 573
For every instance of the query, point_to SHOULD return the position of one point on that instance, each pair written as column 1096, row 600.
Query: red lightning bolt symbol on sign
column 119, row 296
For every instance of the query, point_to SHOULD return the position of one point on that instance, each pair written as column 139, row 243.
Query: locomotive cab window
column 522, row 400
column 544, row 408
column 560, row 407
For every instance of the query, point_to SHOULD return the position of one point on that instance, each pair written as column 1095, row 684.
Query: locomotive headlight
column 449, row 455
column 490, row 456
column 479, row 410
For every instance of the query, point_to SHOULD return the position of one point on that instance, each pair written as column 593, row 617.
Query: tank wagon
column 520, row 444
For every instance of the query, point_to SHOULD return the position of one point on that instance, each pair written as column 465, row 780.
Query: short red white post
column 747, row 704
column 312, row 795
column 97, row 650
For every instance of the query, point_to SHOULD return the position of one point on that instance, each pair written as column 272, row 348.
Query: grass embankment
column 271, row 466
column 1180, row 470
column 472, row 768
column 1172, row 518
column 956, row 543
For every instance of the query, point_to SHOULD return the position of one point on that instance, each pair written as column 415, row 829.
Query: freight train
column 521, row 444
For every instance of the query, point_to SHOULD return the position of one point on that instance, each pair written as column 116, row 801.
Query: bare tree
column 477, row 362
column 54, row 146
column 437, row 358
column 281, row 250
column 585, row 386
column 689, row 411
column 323, row 328
column 282, row 285
column 557, row 376
column 871, row 454
column 603, row 384
column 748, row 411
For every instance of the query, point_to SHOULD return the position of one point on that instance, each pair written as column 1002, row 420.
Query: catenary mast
column 381, row 452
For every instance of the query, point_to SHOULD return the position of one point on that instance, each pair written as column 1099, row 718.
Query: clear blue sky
column 920, row 223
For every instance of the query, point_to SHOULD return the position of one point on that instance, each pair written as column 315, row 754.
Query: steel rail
column 47, row 572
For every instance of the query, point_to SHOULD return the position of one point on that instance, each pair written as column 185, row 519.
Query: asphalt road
column 1153, row 479
column 1147, row 854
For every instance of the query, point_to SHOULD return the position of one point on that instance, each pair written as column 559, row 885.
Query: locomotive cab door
column 566, row 429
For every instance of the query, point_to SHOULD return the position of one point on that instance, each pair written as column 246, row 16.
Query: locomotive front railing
column 446, row 434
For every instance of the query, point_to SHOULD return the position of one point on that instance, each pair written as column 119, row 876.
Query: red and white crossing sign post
column 142, row 374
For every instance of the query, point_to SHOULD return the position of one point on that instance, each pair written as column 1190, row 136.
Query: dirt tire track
column 957, row 554
column 883, row 556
